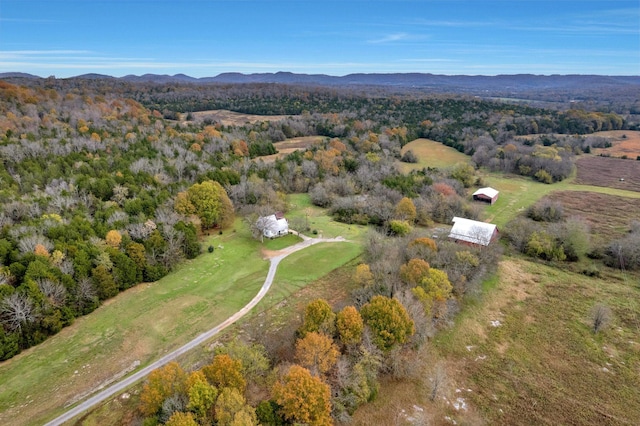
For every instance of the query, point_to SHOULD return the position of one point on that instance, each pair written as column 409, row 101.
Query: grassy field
column 527, row 353
column 270, row 323
column 149, row 320
column 519, row 192
column 317, row 220
column 431, row 154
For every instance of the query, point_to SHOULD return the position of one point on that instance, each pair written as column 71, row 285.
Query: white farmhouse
column 275, row 225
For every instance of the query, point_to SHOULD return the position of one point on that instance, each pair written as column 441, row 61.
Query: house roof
column 488, row 191
column 472, row 231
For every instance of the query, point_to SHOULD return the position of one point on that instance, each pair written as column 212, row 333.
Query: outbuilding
column 487, row 194
column 467, row 231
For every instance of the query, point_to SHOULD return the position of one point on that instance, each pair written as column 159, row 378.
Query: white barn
column 469, row 231
column 486, row 194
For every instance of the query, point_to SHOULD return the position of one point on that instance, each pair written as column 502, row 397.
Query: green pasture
column 317, row 220
column 431, row 154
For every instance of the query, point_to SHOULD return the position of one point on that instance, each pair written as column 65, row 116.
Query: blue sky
column 337, row 37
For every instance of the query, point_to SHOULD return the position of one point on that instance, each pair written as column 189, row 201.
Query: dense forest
column 108, row 184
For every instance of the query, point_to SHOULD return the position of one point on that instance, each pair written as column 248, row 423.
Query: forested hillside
column 102, row 191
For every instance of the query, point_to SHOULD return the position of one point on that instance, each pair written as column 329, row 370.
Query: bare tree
column 55, row 292
column 600, row 317
column 17, row 310
column 437, row 380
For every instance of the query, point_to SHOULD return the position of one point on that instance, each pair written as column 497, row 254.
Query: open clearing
column 624, row 142
column 431, row 154
column 609, row 172
column 291, row 145
column 230, row 118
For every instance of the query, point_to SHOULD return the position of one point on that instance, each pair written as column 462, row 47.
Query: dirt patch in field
column 230, row 118
column 609, row 172
column 624, row 142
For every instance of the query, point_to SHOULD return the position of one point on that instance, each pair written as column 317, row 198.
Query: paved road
column 138, row 375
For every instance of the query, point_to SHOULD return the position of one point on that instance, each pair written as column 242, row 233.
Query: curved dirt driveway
column 275, row 259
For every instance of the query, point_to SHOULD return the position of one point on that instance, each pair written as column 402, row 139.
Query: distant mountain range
column 476, row 84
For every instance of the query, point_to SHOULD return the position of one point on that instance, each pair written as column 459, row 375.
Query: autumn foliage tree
column 225, row 372
column 180, row 418
column 433, row 291
column 406, row 210
column 202, row 396
column 233, row 410
column 318, row 317
column 304, row 398
column 317, row 352
column 161, row 384
column 389, row 321
column 363, row 276
column 113, row 238
column 414, row 271
column 349, row 325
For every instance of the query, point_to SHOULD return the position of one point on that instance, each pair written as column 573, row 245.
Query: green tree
column 388, row 320
column 211, row 204
column 304, row 398
column 202, row 396
column 105, row 284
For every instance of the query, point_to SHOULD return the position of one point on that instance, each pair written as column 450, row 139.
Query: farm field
column 608, row 172
column 608, row 215
column 151, row 319
column 431, row 154
column 624, row 142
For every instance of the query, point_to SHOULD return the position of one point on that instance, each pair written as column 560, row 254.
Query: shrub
column 546, row 211
column 409, row 157
column 399, row 227
column 544, row 246
column 211, row 249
